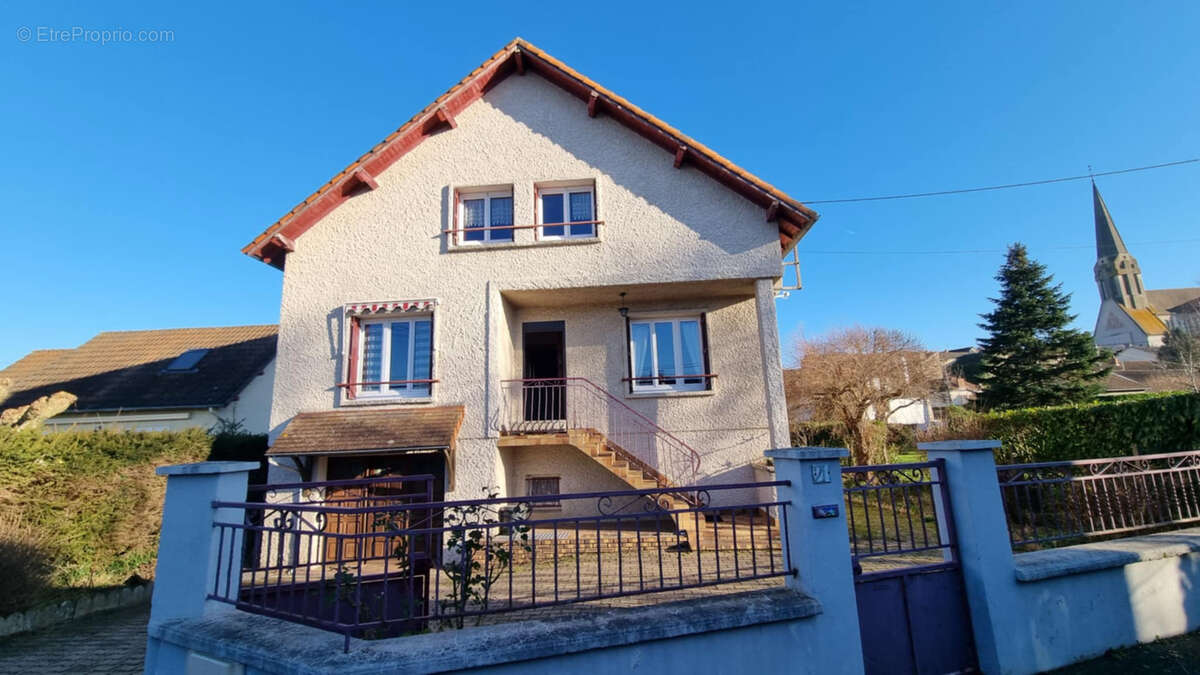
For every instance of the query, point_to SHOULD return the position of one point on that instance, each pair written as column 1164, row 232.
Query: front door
column 544, row 395
column 360, row 496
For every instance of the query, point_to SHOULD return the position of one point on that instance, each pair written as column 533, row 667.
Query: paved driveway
column 110, row 642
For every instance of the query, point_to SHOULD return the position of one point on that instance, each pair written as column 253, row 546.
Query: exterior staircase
column 576, row 412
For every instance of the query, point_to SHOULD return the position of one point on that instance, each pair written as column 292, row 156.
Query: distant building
column 155, row 380
column 1131, row 315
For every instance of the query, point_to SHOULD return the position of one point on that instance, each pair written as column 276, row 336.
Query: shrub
column 95, row 500
column 26, row 564
column 1110, row 428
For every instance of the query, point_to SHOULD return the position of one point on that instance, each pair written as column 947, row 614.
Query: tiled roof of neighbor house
column 1116, row 383
column 1173, row 299
column 518, row 56
column 124, row 370
column 362, row 430
column 1146, row 319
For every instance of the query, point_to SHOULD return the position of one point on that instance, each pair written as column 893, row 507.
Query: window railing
column 414, row 390
column 377, row 558
column 1057, row 503
column 458, row 233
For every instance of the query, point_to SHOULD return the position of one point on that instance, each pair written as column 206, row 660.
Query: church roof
column 1172, row 300
column 1108, row 240
column 1146, row 319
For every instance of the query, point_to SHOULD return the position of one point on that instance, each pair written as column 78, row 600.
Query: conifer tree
column 1031, row 357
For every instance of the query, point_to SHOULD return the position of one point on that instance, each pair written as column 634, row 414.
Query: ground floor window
column 397, row 357
column 664, row 352
column 542, row 486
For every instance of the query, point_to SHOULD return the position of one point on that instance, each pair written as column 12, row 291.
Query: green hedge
column 89, row 504
column 1108, row 428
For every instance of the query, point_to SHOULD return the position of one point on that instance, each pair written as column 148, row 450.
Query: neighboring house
column 1131, row 315
column 155, row 380
column 948, row 387
column 532, row 285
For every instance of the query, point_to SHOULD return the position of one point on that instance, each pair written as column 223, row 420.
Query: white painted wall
column 663, row 226
column 1088, row 606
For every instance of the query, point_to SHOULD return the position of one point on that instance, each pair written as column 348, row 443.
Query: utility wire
column 998, row 187
column 988, row 250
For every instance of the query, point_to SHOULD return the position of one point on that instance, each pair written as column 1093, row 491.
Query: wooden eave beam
column 773, row 211
column 444, row 117
column 680, row 155
column 519, row 61
column 593, row 103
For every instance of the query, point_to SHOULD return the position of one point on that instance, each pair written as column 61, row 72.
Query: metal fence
column 1058, row 503
column 386, row 560
column 898, row 518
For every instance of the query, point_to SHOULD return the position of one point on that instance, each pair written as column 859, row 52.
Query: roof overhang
column 519, row 57
column 369, row 431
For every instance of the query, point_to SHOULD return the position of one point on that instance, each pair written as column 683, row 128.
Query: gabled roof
column 1175, row 300
column 519, row 57
column 124, row 370
column 1146, row 320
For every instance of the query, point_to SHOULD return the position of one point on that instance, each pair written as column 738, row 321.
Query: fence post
column 818, row 548
column 984, row 551
column 187, row 543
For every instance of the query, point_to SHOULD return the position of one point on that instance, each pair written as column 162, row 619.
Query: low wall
column 1075, row 603
column 76, row 608
column 763, row 631
column 1042, row 610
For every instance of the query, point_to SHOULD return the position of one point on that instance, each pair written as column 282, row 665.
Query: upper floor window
column 668, row 354
column 392, row 357
column 485, row 216
column 565, row 212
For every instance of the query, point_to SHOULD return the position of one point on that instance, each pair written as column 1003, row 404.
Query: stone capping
column 276, row 646
column 205, row 468
column 1102, row 555
column 45, row 616
column 807, row 453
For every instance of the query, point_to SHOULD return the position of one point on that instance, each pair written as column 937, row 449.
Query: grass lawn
column 1172, row 656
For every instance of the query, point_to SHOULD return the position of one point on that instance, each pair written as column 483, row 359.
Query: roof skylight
column 186, row 361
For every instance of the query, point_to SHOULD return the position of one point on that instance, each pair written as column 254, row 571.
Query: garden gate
column 912, row 606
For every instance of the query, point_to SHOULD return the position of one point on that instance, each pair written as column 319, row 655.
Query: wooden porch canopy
column 372, row 431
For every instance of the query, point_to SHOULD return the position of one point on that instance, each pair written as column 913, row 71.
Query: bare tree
column 853, row 374
column 1180, row 356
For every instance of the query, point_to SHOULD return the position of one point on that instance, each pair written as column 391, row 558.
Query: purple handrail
column 542, row 404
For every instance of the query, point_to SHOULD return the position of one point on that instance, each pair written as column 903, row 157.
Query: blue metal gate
column 912, row 607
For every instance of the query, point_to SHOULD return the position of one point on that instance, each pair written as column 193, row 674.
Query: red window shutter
column 454, row 218
column 352, row 358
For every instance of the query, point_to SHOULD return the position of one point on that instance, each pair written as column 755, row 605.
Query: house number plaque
column 820, row 473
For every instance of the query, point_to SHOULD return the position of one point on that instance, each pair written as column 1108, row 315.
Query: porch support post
column 188, row 545
column 984, row 551
column 772, row 361
column 817, row 545
column 492, row 404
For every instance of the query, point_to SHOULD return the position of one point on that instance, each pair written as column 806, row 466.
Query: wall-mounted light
column 623, row 310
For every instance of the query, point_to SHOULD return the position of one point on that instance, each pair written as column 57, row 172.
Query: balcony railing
column 1056, row 503
column 549, row 405
column 377, row 558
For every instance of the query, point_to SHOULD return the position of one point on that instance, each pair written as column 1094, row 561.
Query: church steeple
column 1117, row 273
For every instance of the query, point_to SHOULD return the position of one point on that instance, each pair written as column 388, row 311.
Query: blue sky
column 131, row 174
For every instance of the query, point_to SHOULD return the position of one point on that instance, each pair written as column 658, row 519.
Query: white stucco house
column 532, row 285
